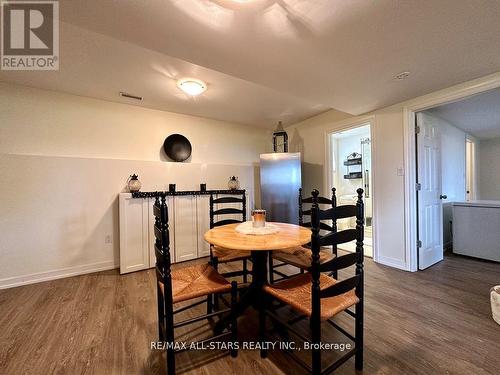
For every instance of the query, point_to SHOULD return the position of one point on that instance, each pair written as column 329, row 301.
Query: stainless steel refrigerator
column 280, row 180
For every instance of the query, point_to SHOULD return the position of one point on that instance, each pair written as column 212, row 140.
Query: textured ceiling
column 478, row 115
column 289, row 59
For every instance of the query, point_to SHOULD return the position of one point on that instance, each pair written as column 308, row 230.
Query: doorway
column 446, row 143
column 441, row 98
column 350, row 168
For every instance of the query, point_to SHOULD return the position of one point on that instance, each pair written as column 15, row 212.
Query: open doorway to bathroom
column 351, row 168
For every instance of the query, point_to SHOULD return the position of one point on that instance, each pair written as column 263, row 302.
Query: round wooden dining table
column 226, row 236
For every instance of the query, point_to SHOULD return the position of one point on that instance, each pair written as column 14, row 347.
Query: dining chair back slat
column 228, row 211
column 225, row 222
column 323, row 226
column 337, row 238
column 339, row 212
column 341, row 262
column 341, row 287
column 228, row 199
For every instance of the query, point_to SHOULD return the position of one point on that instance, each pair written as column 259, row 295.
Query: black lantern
column 280, row 139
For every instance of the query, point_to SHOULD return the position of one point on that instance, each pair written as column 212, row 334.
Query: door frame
column 474, row 178
column 445, row 96
column 344, row 125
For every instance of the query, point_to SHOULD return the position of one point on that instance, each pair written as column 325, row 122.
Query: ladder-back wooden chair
column 319, row 297
column 183, row 284
column 222, row 212
column 300, row 256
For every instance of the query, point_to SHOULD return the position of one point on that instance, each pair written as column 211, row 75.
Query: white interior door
column 430, row 210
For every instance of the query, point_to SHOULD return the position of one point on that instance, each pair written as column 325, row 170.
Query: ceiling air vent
column 130, row 96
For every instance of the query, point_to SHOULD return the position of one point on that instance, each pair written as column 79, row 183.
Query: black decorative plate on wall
column 177, row 147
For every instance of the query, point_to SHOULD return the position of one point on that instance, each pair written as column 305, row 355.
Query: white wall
column 65, row 158
column 308, row 138
column 387, row 159
column 489, row 171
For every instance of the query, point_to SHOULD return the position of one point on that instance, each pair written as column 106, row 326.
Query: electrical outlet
column 401, row 172
column 108, row 239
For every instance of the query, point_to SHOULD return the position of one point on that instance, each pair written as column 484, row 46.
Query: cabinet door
column 250, row 204
column 186, row 235
column 171, row 227
column 203, row 215
column 134, row 228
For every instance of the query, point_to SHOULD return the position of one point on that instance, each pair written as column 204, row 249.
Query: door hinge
column 417, row 129
column 419, row 244
column 418, row 186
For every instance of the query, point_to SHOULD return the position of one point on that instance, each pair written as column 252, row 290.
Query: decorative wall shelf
column 154, row 194
column 353, row 176
column 356, row 161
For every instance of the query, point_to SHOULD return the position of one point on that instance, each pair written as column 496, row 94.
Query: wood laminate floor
column 436, row 321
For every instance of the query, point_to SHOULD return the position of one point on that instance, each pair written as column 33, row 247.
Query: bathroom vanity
column 476, row 229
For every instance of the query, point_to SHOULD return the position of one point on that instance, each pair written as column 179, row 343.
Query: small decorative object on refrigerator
column 134, row 184
column 233, row 183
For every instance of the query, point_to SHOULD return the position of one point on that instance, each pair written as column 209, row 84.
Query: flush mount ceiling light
column 192, row 86
column 402, row 75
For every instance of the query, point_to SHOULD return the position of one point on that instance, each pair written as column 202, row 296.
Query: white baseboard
column 391, row 262
column 11, row 282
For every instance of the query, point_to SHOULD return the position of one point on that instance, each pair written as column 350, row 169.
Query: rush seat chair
column 318, row 297
column 183, row 284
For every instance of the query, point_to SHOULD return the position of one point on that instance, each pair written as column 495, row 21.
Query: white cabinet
column 189, row 219
column 134, row 234
column 203, row 220
column 185, row 228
